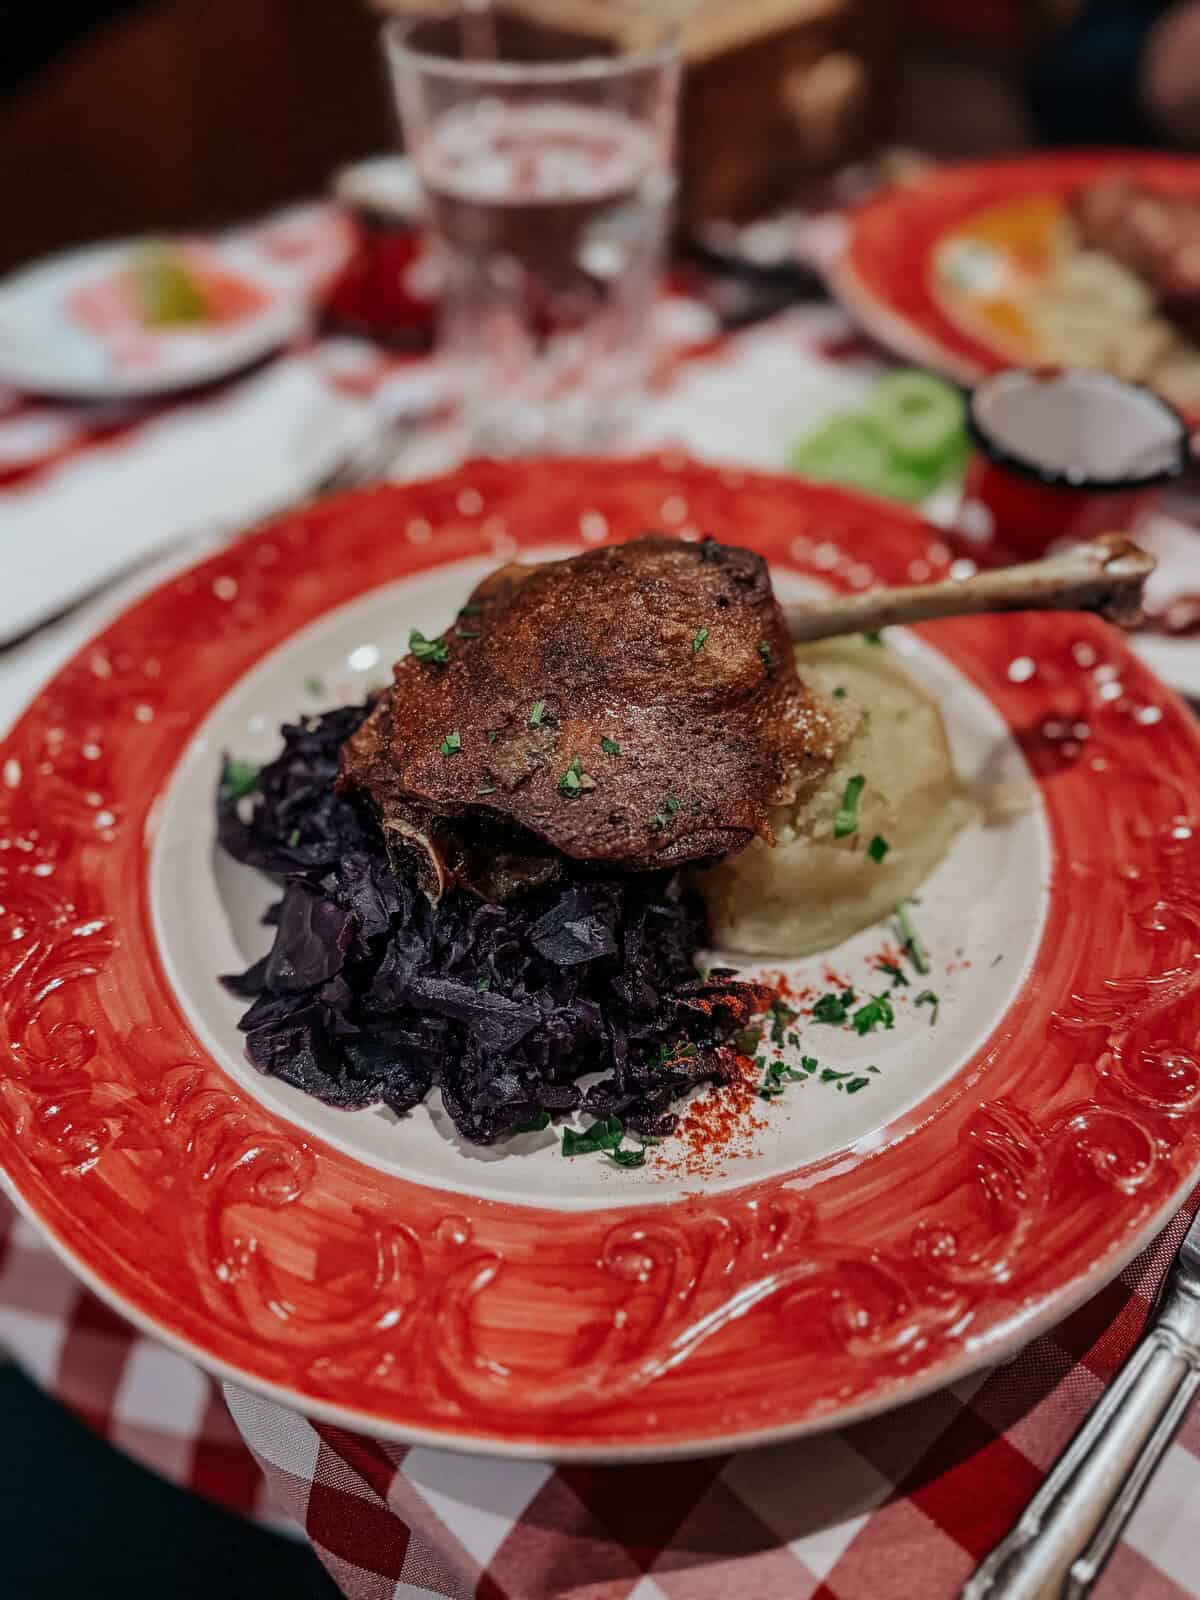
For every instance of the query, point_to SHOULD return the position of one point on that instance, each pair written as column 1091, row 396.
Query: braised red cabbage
column 371, row 994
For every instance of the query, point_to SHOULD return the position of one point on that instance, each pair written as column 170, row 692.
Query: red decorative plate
column 1004, row 1164
column 897, row 273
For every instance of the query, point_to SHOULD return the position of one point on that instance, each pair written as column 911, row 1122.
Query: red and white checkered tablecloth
column 894, row 1509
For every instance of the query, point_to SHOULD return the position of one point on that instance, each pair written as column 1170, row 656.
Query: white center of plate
column 980, row 914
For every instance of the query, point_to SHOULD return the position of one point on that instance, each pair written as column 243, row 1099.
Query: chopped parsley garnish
column 778, row 1076
column 851, row 1082
column 834, row 1008
column 764, row 650
column 467, row 633
column 294, row 838
column 895, row 973
column 878, row 848
column 876, row 1013
column 665, row 1053
column 539, row 1120
column 571, row 781
column 661, row 818
column 749, row 1039
column 698, row 638
column 451, row 744
column 538, row 712
column 493, row 735
column 910, row 940
column 627, row 1158
column 483, row 983
column 314, row 686
column 846, row 820
column 610, row 747
column 928, row 998
column 432, row 651
column 603, row 1137
column 239, row 779
column 873, row 637
column 781, row 1016
column 839, row 693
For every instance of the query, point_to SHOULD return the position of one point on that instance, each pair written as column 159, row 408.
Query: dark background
column 80, row 1521
column 120, row 116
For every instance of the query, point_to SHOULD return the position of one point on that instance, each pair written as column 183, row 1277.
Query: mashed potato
column 1093, row 312
column 813, row 890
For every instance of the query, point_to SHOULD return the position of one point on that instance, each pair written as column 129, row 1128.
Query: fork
column 1070, row 1528
column 369, row 463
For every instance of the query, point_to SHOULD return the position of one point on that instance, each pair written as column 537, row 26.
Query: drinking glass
column 549, row 186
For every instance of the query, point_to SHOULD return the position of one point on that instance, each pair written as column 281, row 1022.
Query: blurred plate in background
column 971, row 268
column 139, row 317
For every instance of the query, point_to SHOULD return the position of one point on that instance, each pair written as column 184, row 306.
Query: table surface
column 902, row 1505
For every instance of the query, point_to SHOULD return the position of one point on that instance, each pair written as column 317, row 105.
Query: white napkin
column 750, row 410
column 213, row 464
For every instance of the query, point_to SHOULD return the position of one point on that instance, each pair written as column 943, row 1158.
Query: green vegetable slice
column 922, row 420
column 847, row 449
column 909, row 484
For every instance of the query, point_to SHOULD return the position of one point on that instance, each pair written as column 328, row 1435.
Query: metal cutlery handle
column 1070, row 1527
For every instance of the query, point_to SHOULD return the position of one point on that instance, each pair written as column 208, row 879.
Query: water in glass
column 551, row 216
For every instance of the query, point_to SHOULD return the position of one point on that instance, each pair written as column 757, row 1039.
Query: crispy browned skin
column 484, row 853
column 709, row 738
